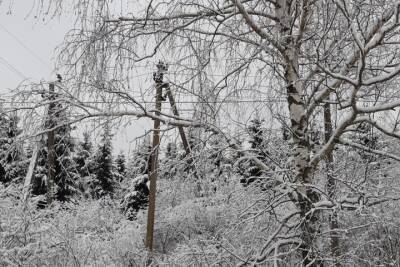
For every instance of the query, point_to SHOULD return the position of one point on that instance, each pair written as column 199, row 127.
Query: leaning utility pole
column 51, row 152
column 176, row 113
column 186, row 145
column 158, row 78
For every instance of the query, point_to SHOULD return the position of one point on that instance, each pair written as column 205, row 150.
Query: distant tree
column 120, row 164
column 171, row 160
column 367, row 137
column 67, row 176
column 171, row 151
column 215, row 163
column 139, row 162
column 84, row 161
column 196, row 147
column 39, row 179
column 3, row 147
column 83, row 154
column 136, row 195
column 103, row 182
column 257, row 139
column 256, row 131
column 12, row 159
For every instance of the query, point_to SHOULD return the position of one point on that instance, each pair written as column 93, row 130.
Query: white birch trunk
column 298, row 117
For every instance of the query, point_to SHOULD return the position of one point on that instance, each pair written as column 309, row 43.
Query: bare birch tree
column 312, row 54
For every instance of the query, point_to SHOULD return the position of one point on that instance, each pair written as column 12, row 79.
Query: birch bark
column 305, row 195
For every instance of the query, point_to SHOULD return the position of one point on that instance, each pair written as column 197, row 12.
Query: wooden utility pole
column 158, row 78
column 186, row 145
column 176, row 113
column 51, row 151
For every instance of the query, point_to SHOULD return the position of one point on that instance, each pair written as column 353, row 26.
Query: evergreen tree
column 67, row 177
column 368, row 138
column 120, row 164
column 12, row 160
column 83, row 154
column 171, row 160
column 137, row 191
column 196, row 147
column 136, row 197
column 3, row 146
column 214, row 163
column 84, row 161
column 103, row 182
column 39, row 178
column 171, row 151
column 139, row 162
column 249, row 170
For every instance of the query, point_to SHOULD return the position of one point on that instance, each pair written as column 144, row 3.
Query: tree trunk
column 305, row 196
column 331, row 186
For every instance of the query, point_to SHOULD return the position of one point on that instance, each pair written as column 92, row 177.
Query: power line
column 9, row 66
column 181, row 73
column 26, row 47
column 152, row 102
column 230, row 101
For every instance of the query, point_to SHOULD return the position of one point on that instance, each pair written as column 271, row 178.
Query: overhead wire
column 30, row 51
column 16, row 103
column 10, row 67
column 153, row 102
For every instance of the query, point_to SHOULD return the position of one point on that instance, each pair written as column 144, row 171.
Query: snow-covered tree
column 171, row 161
column 84, row 160
column 12, row 160
column 302, row 53
column 257, row 139
column 139, row 160
column 120, row 165
column 66, row 174
column 136, row 191
column 136, row 196
column 103, row 182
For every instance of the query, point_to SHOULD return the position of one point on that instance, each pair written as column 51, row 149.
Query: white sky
column 27, row 44
column 28, row 52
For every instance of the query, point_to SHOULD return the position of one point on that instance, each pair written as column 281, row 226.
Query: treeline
column 82, row 168
column 85, row 169
column 90, row 170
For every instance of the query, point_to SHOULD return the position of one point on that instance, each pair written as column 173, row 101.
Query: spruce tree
column 137, row 192
column 84, row 161
column 196, row 146
column 12, row 160
column 67, row 176
column 139, row 162
column 83, row 154
column 39, row 178
column 213, row 163
column 103, row 182
column 120, row 164
column 171, row 161
column 66, row 179
column 249, row 170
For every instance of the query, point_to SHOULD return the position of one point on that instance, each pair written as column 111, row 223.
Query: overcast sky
column 27, row 44
column 28, row 52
